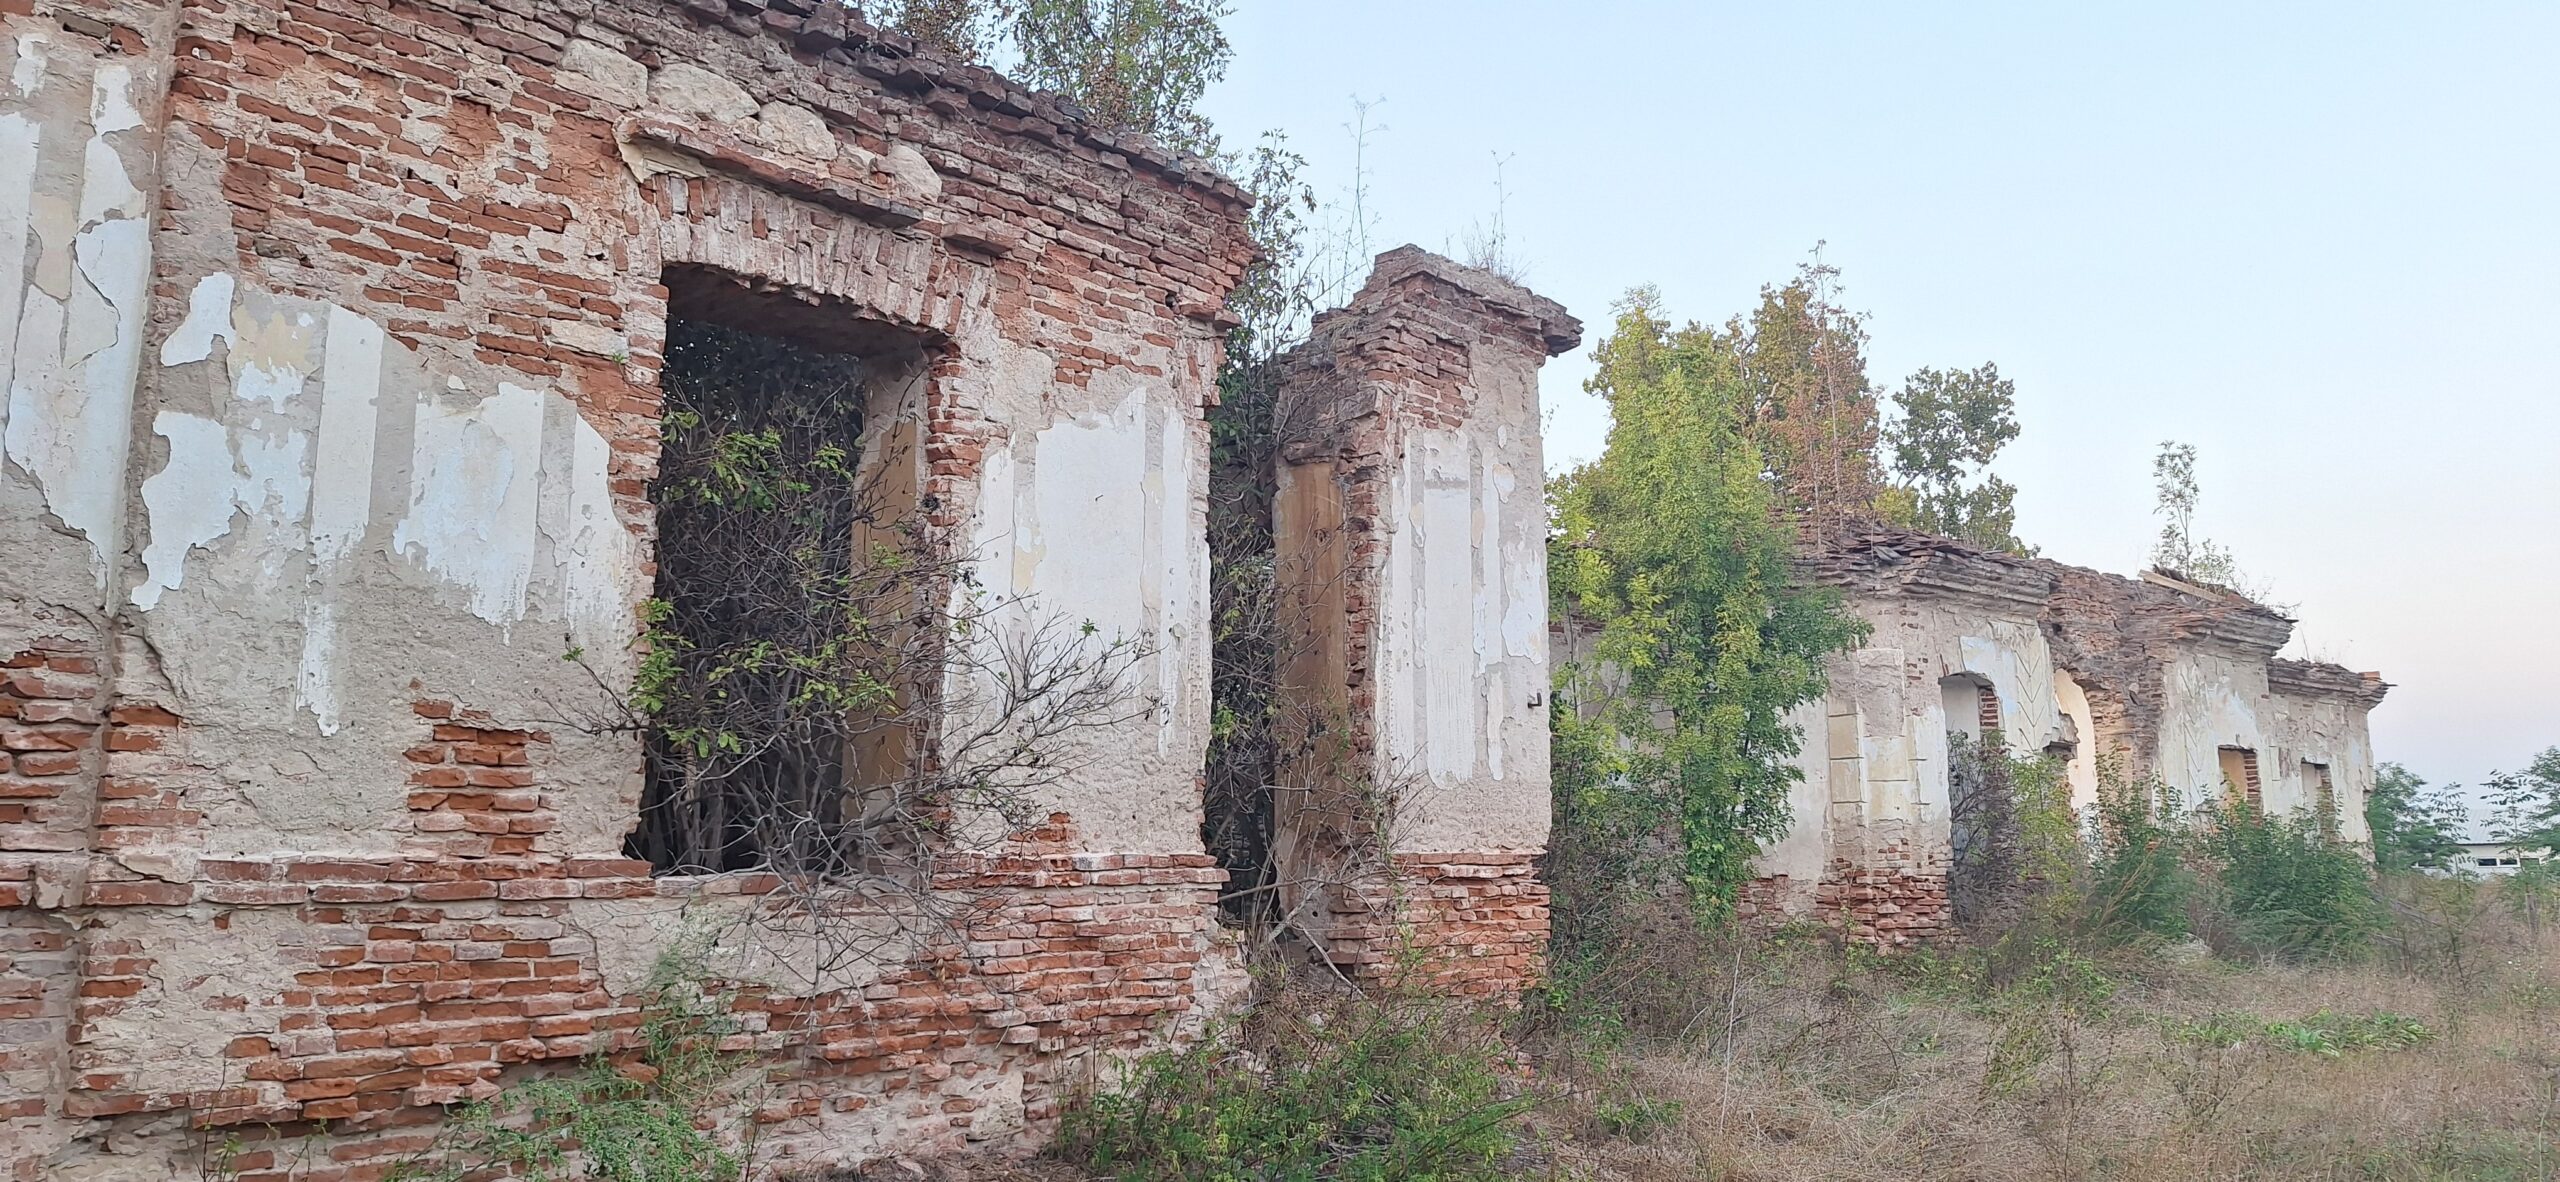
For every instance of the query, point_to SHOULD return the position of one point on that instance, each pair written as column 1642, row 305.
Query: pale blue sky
column 2319, row 242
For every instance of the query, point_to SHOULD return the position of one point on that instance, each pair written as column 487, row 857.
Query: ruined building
column 2150, row 678
column 351, row 463
column 338, row 376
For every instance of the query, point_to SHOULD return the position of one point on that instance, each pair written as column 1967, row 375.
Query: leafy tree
column 1952, row 423
column 966, row 28
column 1135, row 64
column 2179, row 551
column 1800, row 359
column 1139, row 64
column 2414, row 827
column 2525, row 805
column 1672, row 545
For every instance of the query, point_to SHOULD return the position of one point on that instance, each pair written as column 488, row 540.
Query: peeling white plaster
column 77, row 351
column 271, row 355
column 1448, row 597
column 19, row 141
column 208, row 318
column 600, row 560
column 1182, row 567
column 315, row 685
column 2208, row 702
column 28, row 74
column 1087, row 515
column 106, row 190
column 508, row 496
column 189, row 501
column 111, row 106
column 471, row 516
column 342, row 484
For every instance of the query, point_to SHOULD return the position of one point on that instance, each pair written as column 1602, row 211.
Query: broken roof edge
column 1557, row 330
column 1878, row 557
column 2327, row 680
column 825, row 32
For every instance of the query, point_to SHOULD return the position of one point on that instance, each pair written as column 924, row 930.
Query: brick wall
column 1407, row 516
column 312, row 833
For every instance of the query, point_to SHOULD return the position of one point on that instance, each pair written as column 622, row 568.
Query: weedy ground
column 1806, row 1062
column 1782, row 1055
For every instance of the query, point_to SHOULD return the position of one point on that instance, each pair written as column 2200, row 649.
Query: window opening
column 2240, row 776
column 778, row 682
column 2324, row 794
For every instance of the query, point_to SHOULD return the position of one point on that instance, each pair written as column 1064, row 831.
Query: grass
column 1781, row 1055
column 1810, row 1062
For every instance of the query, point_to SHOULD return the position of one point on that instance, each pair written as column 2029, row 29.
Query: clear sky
column 2319, row 242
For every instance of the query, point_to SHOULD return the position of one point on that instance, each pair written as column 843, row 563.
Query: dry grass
column 1800, row 1061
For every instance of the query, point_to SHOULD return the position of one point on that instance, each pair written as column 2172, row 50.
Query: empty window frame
column 1972, row 705
column 2240, row 776
column 2323, row 791
column 782, row 719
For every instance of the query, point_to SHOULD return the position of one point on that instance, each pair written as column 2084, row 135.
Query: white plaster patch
column 111, row 106
column 1183, row 567
column 271, row 355
column 1445, row 519
column 1087, row 515
column 106, row 190
column 189, row 501
column 28, row 73
column 315, row 684
column 471, row 517
column 208, row 319
column 599, row 559
column 19, row 139
column 342, row 480
column 70, row 430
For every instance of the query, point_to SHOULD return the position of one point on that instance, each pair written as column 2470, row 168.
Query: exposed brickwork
column 2116, row 636
column 420, row 981
column 1468, row 924
column 1426, row 346
column 462, row 174
column 52, row 744
column 473, row 787
column 1886, row 900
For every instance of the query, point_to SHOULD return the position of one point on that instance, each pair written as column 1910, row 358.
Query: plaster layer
column 330, row 368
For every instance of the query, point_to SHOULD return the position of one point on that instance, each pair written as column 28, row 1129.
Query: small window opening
column 2324, row 794
column 2240, row 776
column 783, row 716
column 1972, row 706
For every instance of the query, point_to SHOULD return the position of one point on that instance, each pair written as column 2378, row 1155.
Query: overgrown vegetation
column 1137, row 65
column 1315, row 1087
column 805, row 636
column 1783, row 1056
column 1671, row 713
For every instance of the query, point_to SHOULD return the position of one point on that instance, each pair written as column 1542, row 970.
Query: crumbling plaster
column 351, row 449
column 1874, row 756
column 2148, row 675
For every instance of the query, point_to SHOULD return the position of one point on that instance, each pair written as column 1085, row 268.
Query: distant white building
column 2495, row 858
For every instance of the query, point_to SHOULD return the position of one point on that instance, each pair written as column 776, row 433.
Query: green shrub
column 1396, row 1087
column 2287, row 887
column 2138, row 882
column 2330, row 1034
